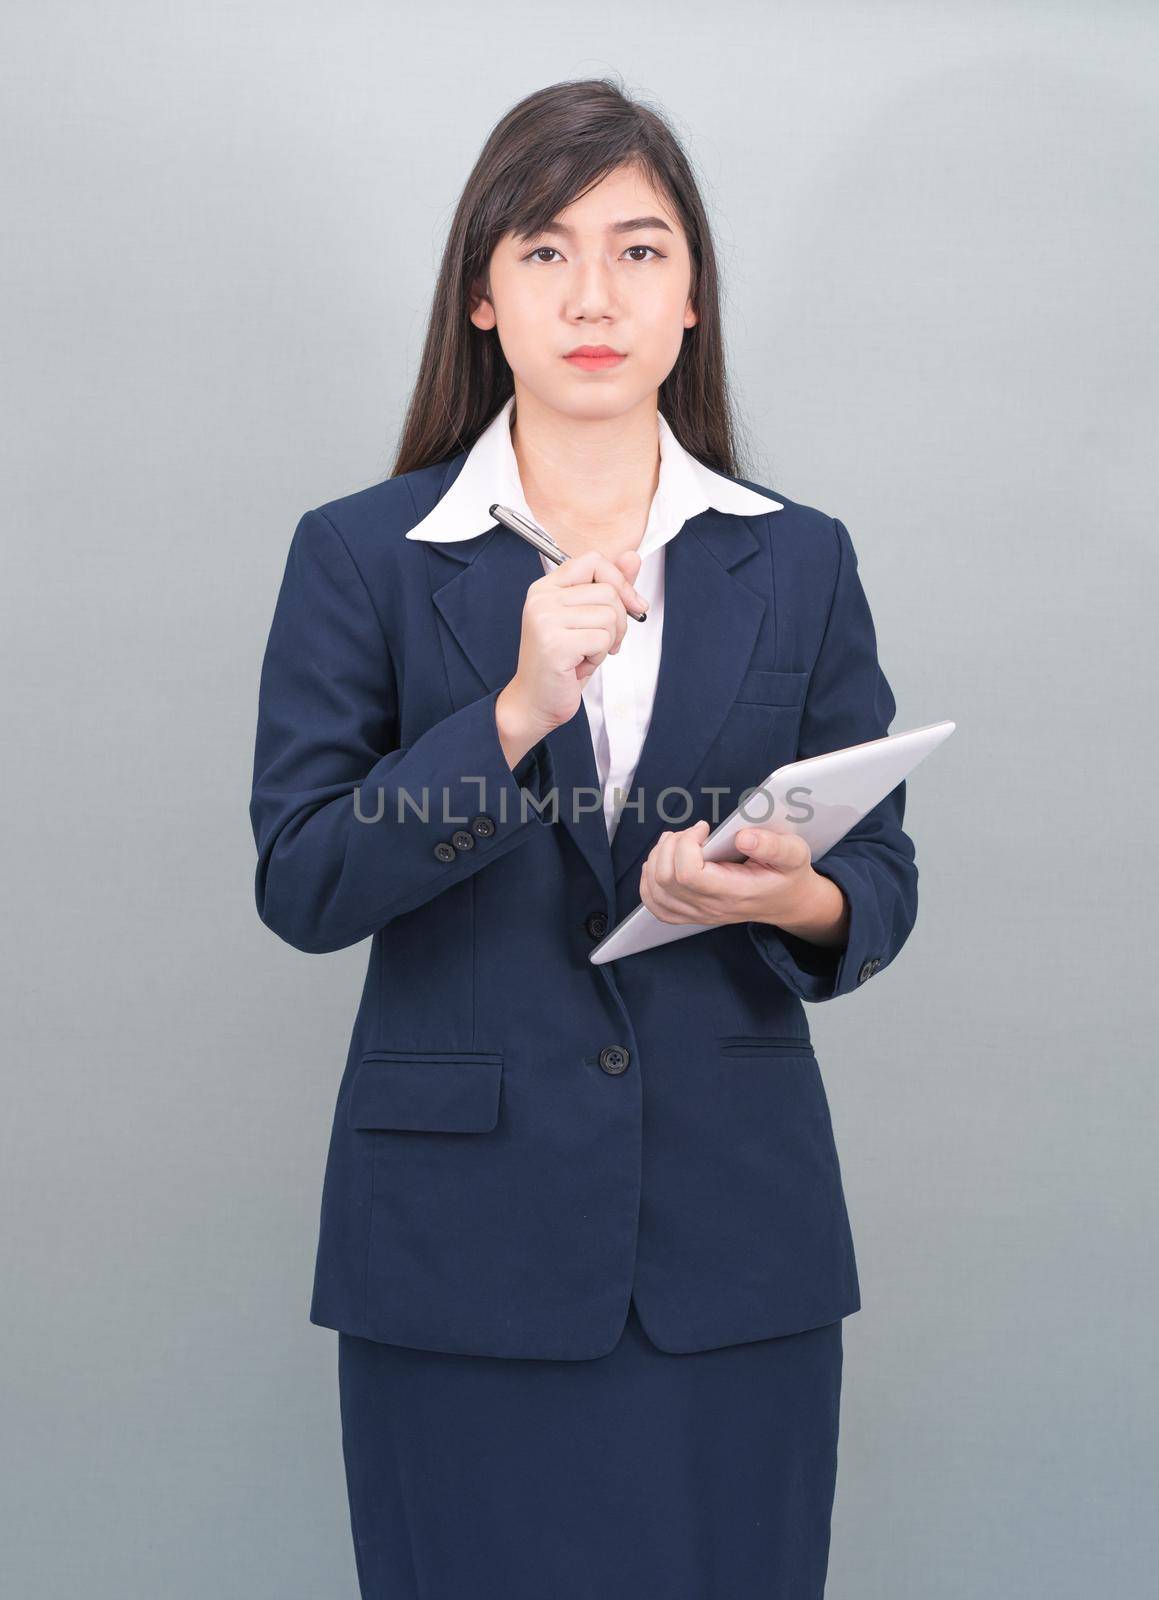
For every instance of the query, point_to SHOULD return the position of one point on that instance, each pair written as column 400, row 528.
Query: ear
column 482, row 311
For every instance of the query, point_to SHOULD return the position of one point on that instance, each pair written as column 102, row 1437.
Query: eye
column 540, row 250
column 654, row 251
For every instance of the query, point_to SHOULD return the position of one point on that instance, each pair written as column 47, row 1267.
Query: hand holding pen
column 572, row 618
column 546, row 545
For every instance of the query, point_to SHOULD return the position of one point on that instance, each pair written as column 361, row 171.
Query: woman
column 583, row 1234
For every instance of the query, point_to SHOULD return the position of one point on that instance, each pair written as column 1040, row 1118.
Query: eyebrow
column 632, row 225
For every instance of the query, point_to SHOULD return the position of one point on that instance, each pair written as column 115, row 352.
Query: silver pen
column 541, row 539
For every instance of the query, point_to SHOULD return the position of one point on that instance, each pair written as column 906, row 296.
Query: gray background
column 940, row 243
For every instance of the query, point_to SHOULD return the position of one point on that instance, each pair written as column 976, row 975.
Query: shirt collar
column 490, row 475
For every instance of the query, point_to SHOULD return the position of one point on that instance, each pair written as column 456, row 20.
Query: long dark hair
column 545, row 152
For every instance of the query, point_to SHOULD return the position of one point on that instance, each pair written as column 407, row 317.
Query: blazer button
column 597, row 924
column 614, row 1059
column 868, row 968
column 483, row 825
column 445, row 851
column 462, row 840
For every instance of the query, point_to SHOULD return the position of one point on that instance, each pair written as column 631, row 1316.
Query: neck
column 589, row 481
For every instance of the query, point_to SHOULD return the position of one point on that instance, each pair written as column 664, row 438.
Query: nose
column 591, row 293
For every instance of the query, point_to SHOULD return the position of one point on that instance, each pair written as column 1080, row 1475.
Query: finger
column 697, row 899
column 629, row 563
column 596, row 615
column 648, row 891
column 605, row 618
column 653, row 895
column 687, row 858
column 585, row 644
column 665, row 848
column 630, row 596
column 674, row 890
column 785, row 851
column 591, row 594
column 579, row 598
column 594, row 567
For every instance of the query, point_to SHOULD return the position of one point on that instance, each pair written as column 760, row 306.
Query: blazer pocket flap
column 759, row 687
column 752, row 1044
column 431, row 1091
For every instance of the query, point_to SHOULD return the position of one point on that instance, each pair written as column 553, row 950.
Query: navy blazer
column 522, row 1139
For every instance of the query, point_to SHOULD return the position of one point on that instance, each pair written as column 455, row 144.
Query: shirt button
column 462, row 840
column 444, row 850
column 597, row 924
column 614, row 1059
column 483, row 825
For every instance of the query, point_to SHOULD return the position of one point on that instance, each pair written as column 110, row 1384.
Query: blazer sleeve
column 328, row 718
column 849, row 701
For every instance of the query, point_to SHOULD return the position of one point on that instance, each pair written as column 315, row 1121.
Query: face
column 614, row 270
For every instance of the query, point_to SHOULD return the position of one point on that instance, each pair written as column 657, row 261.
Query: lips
column 595, row 357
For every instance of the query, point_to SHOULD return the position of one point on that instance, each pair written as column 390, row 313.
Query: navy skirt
column 639, row 1473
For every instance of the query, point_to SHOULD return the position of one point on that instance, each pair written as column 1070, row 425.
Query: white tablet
column 820, row 798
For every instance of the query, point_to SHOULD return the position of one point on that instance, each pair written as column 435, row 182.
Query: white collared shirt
column 619, row 695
